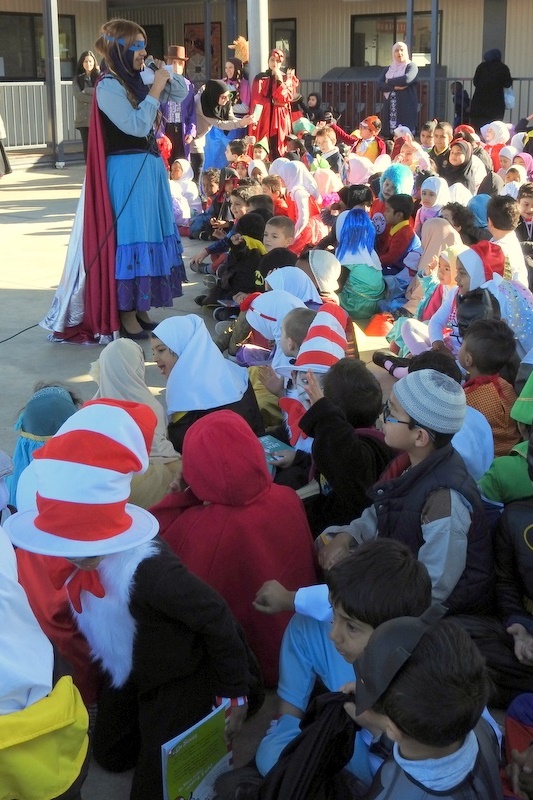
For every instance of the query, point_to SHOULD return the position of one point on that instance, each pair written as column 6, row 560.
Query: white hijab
column 294, row 281
column 265, row 315
column 26, row 655
column 201, row 378
column 119, row 373
column 294, row 174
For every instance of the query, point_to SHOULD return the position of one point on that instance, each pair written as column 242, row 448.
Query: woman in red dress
column 274, row 92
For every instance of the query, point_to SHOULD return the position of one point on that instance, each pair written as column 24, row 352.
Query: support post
column 55, row 133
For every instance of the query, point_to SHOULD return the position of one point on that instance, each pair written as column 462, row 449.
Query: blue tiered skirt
column 149, row 265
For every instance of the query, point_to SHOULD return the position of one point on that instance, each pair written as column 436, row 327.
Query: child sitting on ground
column 238, row 203
column 263, row 205
column 426, row 498
column 487, row 347
column 279, row 232
column 144, row 615
column 273, row 187
column 360, row 601
column 503, row 216
column 401, row 251
column 524, row 229
column 303, row 201
column 434, row 195
column 413, row 672
column 361, row 281
column 396, row 179
column 348, row 451
column 241, row 275
column 326, row 142
column 323, row 345
column 200, row 227
column 182, row 174
column 508, row 479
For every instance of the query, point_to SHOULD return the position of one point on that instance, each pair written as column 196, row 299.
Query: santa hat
column 325, row 343
column 482, row 261
column 82, row 478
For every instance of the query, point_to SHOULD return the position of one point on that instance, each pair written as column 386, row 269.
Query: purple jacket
column 188, row 114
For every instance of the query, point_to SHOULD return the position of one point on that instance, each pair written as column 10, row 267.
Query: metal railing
column 25, row 105
column 354, row 100
column 25, row 113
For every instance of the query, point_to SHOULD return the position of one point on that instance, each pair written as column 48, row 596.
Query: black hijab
column 463, row 173
column 120, row 61
column 209, row 100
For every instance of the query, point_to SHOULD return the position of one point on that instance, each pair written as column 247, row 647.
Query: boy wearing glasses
column 426, row 497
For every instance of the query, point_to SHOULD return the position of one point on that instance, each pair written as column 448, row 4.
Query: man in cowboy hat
column 179, row 119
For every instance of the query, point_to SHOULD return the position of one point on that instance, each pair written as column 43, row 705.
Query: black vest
column 399, row 503
column 116, row 141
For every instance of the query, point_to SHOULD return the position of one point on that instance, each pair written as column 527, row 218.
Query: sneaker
column 201, row 268
column 199, row 300
column 210, row 281
column 224, row 326
column 223, row 314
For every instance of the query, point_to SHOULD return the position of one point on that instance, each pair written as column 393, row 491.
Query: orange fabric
column 495, row 406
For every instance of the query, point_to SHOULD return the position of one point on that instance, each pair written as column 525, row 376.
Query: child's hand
column 236, row 238
column 177, row 483
column 282, row 458
column 272, row 598
column 199, row 257
column 271, row 381
column 433, row 265
column 219, row 233
column 335, row 551
column 520, row 772
column 217, row 223
column 235, row 721
column 239, row 297
column 523, row 643
column 313, row 389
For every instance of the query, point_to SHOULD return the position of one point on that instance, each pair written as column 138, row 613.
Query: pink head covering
column 397, row 68
column 528, row 163
column 360, row 169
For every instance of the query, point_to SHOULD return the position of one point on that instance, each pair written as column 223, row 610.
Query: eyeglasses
column 412, row 423
column 388, row 418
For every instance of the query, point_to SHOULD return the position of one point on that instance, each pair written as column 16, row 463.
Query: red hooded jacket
column 236, row 529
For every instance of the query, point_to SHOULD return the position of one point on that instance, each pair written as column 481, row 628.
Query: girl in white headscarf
column 181, row 173
column 199, row 378
column 294, row 281
column 303, row 201
column 119, row 373
column 434, row 193
column 495, row 135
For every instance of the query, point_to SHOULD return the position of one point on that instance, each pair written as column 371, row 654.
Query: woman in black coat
column 492, row 76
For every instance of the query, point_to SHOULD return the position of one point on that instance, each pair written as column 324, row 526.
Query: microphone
column 150, row 63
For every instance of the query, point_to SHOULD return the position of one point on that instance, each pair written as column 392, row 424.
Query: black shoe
column 135, row 336
column 199, row 300
column 146, row 326
column 381, row 356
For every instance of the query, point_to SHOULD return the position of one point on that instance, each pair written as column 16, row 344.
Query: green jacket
column 507, row 478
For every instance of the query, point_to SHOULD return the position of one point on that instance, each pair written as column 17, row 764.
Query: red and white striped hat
column 325, row 343
column 82, row 479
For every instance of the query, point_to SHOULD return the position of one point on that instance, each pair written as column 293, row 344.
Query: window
column 22, row 47
column 283, row 37
column 372, row 39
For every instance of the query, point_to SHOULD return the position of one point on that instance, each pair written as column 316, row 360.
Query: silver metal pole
column 258, row 35
column 434, row 57
column 53, row 81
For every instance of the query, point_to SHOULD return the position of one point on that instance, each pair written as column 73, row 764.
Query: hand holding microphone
column 155, row 74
